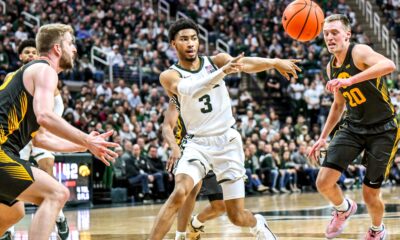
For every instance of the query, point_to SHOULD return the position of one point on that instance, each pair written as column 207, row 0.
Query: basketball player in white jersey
column 197, row 85
column 209, row 186
column 44, row 158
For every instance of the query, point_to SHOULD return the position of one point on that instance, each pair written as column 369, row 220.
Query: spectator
column 136, row 175
column 253, row 181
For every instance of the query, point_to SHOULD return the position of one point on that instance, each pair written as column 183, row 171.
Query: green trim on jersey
column 196, row 71
column 212, row 63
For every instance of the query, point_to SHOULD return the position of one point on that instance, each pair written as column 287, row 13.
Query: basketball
column 303, row 20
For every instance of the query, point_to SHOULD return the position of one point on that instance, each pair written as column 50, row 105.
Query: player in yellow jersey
column 26, row 112
column 355, row 73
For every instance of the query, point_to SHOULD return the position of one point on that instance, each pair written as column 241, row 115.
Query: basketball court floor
column 290, row 216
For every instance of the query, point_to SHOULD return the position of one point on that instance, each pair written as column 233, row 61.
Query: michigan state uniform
column 40, row 153
column 369, row 125
column 210, row 186
column 17, row 127
column 210, row 142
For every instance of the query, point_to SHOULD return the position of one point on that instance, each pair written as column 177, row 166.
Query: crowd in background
column 391, row 11
column 275, row 145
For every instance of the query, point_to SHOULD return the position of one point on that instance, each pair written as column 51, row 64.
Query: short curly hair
column 183, row 23
column 26, row 43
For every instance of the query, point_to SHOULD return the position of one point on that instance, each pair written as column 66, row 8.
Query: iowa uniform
column 17, row 127
column 210, row 186
column 369, row 125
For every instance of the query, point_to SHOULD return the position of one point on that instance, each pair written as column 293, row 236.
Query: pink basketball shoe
column 336, row 226
column 379, row 235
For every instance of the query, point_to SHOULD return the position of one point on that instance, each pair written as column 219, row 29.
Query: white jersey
column 207, row 115
column 39, row 153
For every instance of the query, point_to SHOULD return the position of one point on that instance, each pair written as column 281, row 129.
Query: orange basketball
column 303, row 20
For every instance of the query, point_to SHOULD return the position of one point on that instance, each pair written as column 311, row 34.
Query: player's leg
column 45, row 161
column 46, row 164
column 213, row 210
column 228, row 166
column 10, row 215
column 51, row 196
column 185, row 212
column 238, row 215
column 375, row 205
column 189, row 171
column 234, row 202
column 213, row 191
column 379, row 155
column 343, row 149
column 183, row 186
column 326, row 185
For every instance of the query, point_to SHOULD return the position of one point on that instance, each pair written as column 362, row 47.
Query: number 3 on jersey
column 355, row 97
column 206, row 100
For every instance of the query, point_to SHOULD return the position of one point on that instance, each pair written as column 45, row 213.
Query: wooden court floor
column 290, row 216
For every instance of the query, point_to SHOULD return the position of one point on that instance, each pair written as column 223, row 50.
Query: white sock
column 11, row 230
column 377, row 229
column 196, row 223
column 344, row 206
column 179, row 235
column 259, row 225
column 60, row 216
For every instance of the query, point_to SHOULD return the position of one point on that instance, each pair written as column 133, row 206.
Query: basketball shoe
column 337, row 224
column 261, row 230
column 63, row 229
column 376, row 235
column 7, row 236
column 194, row 233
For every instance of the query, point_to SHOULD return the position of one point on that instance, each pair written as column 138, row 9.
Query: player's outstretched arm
column 194, row 86
column 45, row 82
column 47, row 140
column 286, row 67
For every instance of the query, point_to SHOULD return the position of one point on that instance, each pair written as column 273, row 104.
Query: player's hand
column 233, row 66
column 287, row 66
column 315, row 150
column 93, row 133
column 175, row 155
column 98, row 146
column 335, row 84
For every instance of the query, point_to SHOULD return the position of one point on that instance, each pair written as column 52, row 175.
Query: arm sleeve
column 193, row 86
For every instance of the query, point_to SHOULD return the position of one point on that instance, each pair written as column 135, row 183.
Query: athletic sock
column 344, row 206
column 196, row 223
column 60, row 216
column 377, row 229
column 180, row 235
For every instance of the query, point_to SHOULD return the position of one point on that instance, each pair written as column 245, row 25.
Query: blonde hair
column 339, row 17
column 51, row 34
